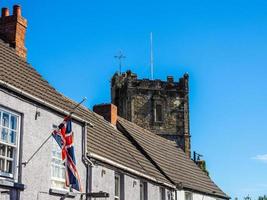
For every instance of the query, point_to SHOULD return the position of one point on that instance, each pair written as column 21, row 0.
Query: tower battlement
column 156, row 105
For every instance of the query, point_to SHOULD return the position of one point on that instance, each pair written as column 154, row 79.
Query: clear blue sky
column 222, row 44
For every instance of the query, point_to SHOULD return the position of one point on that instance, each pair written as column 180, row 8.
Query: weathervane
column 120, row 56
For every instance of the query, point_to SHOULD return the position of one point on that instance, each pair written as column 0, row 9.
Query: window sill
column 58, row 192
column 10, row 184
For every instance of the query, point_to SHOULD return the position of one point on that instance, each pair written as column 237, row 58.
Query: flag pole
column 37, row 150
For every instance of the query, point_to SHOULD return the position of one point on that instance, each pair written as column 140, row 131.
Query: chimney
column 13, row 30
column 108, row 111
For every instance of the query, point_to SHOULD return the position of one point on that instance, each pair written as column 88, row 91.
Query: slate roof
column 163, row 161
column 172, row 160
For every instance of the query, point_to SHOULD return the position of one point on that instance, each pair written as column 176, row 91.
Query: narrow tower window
column 158, row 113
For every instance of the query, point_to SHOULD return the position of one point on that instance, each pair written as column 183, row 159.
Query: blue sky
column 221, row 44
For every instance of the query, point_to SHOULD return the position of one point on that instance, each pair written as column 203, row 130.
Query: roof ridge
column 143, row 151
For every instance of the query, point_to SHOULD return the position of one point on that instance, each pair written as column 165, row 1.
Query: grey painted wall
column 37, row 174
column 132, row 188
column 103, row 180
column 153, row 191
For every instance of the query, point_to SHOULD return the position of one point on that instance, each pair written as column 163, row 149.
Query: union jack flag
column 64, row 137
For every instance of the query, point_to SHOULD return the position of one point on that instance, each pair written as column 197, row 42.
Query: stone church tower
column 159, row 106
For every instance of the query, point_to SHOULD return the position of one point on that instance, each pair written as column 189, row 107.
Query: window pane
column 141, row 191
column 10, row 152
column 14, row 122
column 62, row 173
column 188, row 196
column 4, row 134
column 12, row 137
column 158, row 113
column 117, row 186
column 162, row 193
column 2, row 164
column 57, row 167
column 5, row 120
column 9, row 166
column 2, row 150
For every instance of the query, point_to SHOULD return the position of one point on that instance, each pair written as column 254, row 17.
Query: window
column 57, row 168
column 188, row 196
column 169, row 195
column 117, row 195
column 9, row 129
column 158, row 113
column 162, row 193
column 143, row 190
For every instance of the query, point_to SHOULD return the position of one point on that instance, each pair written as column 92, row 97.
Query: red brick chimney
column 108, row 111
column 13, row 29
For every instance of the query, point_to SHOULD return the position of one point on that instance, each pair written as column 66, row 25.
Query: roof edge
column 207, row 193
column 142, row 150
column 49, row 105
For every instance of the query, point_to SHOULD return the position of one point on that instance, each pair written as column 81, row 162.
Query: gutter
column 108, row 161
column 87, row 162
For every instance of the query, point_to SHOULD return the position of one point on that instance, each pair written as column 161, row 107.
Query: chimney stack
column 5, row 12
column 16, row 10
column 13, row 29
column 108, row 111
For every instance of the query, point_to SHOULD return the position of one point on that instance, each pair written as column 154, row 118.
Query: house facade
column 116, row 159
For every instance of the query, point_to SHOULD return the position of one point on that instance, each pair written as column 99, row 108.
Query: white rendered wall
column 132, row 188
column 196, row 196
column 103, row 179
column 153, row 191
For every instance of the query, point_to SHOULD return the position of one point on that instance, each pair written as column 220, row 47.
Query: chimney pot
column 5, row 12
column 108, row 111
column 17, row 10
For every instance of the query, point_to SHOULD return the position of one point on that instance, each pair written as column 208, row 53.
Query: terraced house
column 116, row 159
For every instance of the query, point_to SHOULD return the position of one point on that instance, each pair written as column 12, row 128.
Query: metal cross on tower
column 120, row 56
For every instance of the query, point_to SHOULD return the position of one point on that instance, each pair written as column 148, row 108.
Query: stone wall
column 137, row 100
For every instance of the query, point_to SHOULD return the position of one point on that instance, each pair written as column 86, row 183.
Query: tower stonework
column 156, row 105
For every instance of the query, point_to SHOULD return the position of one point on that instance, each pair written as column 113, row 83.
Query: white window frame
column 15, row 146
column 117, row 197
column 56, row 179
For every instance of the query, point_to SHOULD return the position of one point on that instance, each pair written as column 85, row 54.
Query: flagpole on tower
column 151, row 57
